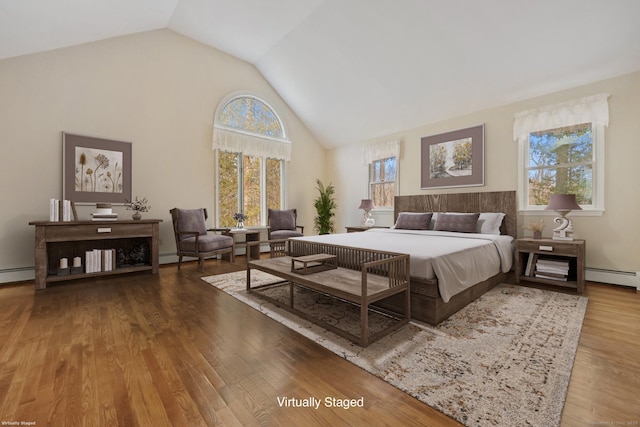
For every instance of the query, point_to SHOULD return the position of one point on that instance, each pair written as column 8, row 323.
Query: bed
column 449, row 268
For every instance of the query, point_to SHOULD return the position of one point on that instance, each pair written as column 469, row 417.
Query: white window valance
column 380, row 150
column 592, row 109
column 236, row 141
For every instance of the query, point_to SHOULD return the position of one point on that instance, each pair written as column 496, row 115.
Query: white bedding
column 457, row 260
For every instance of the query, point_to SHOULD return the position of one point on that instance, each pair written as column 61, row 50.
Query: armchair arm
column 301, row 227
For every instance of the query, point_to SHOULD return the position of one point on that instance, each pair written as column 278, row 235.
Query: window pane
column 390, row 169
column 383, row 170
column 382, row 194
column 274, row 174
column 251, row 190
column 227, row 187
column 561, row 180
column 252, row 115
column 572, row 144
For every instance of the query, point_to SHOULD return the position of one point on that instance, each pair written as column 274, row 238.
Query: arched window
column 251, row 147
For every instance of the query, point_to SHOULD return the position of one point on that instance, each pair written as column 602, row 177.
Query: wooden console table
column 57, row 240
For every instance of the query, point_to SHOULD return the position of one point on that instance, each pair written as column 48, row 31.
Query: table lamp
column 563, row 204
column 366, row 205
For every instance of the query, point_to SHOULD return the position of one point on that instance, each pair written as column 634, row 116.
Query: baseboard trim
column 614, row 277
column 10, row 275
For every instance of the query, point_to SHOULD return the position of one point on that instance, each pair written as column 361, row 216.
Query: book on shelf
column 104, row 217
column 531, row 263
column 104, row 213
column 551, row 276
column 544, row 265
column 98, row 260
column 62, row 211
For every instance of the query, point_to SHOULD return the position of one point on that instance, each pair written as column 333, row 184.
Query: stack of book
column 104, row 213
column 552, row 269
column 98, row 260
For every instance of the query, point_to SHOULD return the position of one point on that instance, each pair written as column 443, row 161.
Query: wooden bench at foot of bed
column 358, row 276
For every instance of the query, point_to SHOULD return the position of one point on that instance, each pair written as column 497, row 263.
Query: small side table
column 529, row 250
column 358, row 228
column 251, row 235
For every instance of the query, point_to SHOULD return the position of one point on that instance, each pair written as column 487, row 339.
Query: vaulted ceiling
column 353, row 70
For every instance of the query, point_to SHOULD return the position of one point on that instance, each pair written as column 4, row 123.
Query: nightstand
column 357, row 228
column 552, row 262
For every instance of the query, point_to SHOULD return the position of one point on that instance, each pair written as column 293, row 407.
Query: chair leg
column 201, row 263
column 179, row 261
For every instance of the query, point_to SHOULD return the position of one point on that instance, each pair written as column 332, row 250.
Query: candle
column 77, row 262
column 64, row 263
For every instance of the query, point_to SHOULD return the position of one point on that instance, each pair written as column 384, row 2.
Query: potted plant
column 137, row 206
column 536, row 227
column 325, row 206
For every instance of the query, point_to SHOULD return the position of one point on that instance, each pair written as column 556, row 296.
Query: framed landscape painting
column 453, row 159
column 95, row 170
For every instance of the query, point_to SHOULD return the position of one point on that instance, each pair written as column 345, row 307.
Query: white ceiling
column 353, row 70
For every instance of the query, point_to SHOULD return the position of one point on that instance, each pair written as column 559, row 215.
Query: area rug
column 504, row 360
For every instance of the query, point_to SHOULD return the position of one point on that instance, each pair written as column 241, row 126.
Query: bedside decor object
column 563, row 204
column 536, row 227
column 240, row 218
column 137, row 206
column 104, row 212
column 366, row 205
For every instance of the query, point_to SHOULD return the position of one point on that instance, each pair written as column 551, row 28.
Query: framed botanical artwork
column 453, row 159
column 95, row 170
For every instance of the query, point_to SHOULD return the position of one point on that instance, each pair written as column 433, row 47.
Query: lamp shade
column 367, row 204
column 563, row 203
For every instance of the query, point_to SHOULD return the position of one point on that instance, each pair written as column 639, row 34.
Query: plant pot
column 537, row 234
column 136, row 216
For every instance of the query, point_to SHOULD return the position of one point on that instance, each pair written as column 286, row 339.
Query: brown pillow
column 191, row 220
column 413, row 220
column 282, row 220
column 461, row 223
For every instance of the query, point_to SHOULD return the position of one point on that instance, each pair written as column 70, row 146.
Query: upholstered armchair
column 193, row 239
column 282, row 224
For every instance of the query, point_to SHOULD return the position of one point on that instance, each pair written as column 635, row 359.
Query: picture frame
column 453, row 159
column 95, row 170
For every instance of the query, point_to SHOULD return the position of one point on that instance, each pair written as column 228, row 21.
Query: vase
column 537, row 234
column 136, row 216
column 240, row 224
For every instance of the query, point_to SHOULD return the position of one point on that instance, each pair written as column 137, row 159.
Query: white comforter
column 457, row 260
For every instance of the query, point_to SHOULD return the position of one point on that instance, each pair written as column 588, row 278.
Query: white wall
column 613, row 239
column 158, row 90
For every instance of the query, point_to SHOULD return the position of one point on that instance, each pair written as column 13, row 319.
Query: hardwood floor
column 169, row 350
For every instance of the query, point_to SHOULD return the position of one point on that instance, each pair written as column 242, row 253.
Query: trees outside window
column 382, row 181
column 561, row 162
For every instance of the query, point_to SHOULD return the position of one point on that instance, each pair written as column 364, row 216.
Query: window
column 560, row 162
column 382, row 159
column 561, row 151
column 249, row 139
column 382, row 182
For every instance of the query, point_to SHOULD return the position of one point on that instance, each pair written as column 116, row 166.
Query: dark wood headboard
column 494, row 201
